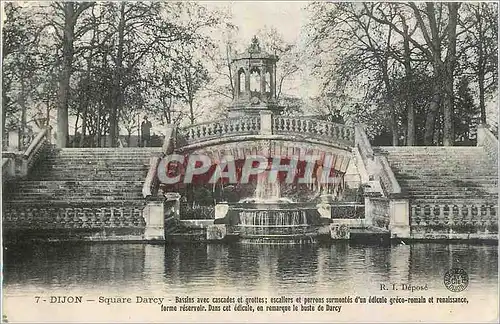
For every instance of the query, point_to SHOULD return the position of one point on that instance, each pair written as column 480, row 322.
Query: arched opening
column 241, row 81
column 255, row 80
column 268, row 82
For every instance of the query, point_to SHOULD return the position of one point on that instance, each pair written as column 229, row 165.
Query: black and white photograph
column 249, row 161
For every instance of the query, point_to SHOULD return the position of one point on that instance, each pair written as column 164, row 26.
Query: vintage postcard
column 257, row 161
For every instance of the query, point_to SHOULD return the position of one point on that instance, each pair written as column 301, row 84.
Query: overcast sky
column 286, row 17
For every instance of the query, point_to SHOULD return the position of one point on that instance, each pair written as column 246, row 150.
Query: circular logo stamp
column 456, row 279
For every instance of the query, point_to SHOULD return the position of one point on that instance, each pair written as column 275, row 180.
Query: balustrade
column 312, row 128
column 363, row 144
column 488, row 141
column 45, row 217
column 251, row 125
column 151, row 183
column 246, row 125
column 387, row 178
column 36, row 147
column 454, row 216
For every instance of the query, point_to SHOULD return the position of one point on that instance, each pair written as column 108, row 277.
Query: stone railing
column 458, row 218
column 488, row 141
column 246, row 125
column 49, row 217
column 35, row 148
column 151, row 183
column 18, row 164
column 312, row 128
column 363, row 144
column 387, row 179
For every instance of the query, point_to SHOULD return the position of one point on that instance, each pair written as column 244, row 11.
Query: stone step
column 76, row 200
column 428, row 182
column 453, row 197
column 100, row 176
column 439, row 162
column 88, row 167
column 73, row 183
column 447, row 173
column 444, row 185
column 121, row 161
column 80, row 204
column 454, row 191
column 431, row 166
column 429, row 148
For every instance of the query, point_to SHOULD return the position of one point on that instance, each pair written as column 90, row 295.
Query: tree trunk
column 430, row 121
column 394, row 126
column 410, row 138
column 116, row 99
column 191, row 112
column 22, row 103
column 480, row 73
column 129, row 135
column 76, row 129
column 66, row 70
column 482, row 105
column 448, row 106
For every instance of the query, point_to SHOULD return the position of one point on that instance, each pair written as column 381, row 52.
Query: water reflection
column 237, row 268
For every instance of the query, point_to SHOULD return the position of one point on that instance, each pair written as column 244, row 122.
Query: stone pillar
column 23, row 166
column 13, row 140
column 154, row 216
column 266, row 122
column 399, row 221
column 368, row 212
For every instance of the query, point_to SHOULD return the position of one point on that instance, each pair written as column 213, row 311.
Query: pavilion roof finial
column 255, row 46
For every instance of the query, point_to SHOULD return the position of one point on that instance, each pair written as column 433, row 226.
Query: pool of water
column 116, row 270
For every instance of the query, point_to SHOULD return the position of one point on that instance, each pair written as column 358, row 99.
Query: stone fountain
column 269, row 218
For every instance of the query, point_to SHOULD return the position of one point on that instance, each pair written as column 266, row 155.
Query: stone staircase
column 446, row 186
column 451, row 174
column 87, row 188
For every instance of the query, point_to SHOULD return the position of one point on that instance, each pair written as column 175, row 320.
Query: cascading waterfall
column 268, row 215
column 267, row 191
column 273, row 222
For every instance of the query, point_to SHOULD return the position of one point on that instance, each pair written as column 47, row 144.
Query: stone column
column 13, row 140
column 368, row 212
